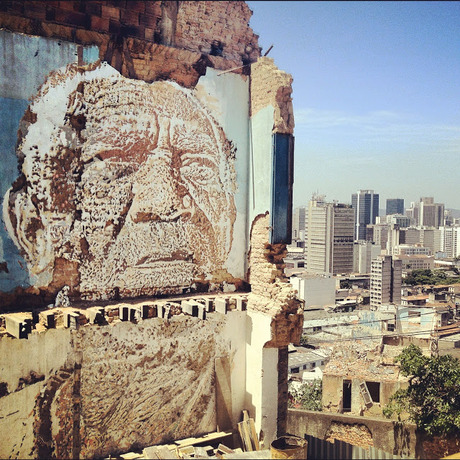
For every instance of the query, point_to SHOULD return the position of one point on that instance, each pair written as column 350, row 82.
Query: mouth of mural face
column 153, row 261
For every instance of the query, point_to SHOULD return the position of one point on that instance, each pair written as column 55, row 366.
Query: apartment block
column 386, row 280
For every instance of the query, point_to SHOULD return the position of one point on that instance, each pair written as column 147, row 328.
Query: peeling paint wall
column 30, row 60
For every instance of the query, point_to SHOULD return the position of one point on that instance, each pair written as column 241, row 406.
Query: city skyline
column 375, row 95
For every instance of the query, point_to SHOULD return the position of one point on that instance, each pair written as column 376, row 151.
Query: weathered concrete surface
column 361, row 431
column 100, row 390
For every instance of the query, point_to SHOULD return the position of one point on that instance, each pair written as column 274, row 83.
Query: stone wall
column 390, row 436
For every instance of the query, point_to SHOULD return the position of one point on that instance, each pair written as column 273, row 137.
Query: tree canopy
column 308, row 396
column 433, row 277
column 432, row 400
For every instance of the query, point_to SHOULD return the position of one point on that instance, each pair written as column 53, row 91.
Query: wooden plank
column 222, row 369
column 253, row 433
column 185, row 451
column 204, row 439
column 244, row 433
column 223, row 448
column 261, row 454
column 245, row 416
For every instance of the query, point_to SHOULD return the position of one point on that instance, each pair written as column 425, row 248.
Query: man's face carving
column 136, row 188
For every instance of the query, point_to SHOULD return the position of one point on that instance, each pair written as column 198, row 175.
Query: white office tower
column 386, row 280
column 298, row 225
column 450, row 241
column 364, row 252
column 329, row 237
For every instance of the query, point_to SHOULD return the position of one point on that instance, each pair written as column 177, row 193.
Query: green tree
column 308, row 396
column 426, row 276
column 432, row 400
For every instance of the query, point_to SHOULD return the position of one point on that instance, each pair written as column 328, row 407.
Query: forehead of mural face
column 130, row 184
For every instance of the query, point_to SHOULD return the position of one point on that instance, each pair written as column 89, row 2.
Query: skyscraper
column 366, row 206
column 395, row 206
column 431, row 213
column 329, row 237
column 386, row 280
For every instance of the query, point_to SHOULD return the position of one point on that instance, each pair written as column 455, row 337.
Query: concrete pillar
column 221, row 305
column 18, row 326
column 241, row 303
column 261, row 376
column 71, row 319
column 48, row 319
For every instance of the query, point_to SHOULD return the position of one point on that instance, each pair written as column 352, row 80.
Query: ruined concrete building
column 146, row 187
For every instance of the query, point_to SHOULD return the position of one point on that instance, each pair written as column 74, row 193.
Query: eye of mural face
column 151, row 208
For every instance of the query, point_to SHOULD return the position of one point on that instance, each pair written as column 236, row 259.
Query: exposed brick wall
column 131, row 34
column 138, row 19
column 271, row 293
column 201, row 24
column 355, row 434
column 271, row 86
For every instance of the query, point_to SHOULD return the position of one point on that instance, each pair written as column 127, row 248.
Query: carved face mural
column 129, row 186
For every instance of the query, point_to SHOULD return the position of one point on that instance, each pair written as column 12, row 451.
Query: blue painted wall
column 25, row 62
column 11, row 111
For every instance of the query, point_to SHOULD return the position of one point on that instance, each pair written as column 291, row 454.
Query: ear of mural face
column 134, row 189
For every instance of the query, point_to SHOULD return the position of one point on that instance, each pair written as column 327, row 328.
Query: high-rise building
column 386, row 281
column 431, row 238
column 410, row 235
column 413, row 213
column 431, row 213
column 364, row 252
column 329, row 237
column 298, row 225
column 398, row 219
column 378, row 233
column 395, row 206
column 450, row 241
column 366, row 206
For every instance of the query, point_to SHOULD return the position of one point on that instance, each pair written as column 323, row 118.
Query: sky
column 376, row 95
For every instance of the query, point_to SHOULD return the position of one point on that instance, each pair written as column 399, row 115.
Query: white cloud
column 378, row 126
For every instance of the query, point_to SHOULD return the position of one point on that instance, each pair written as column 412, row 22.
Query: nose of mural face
column 159, row 195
